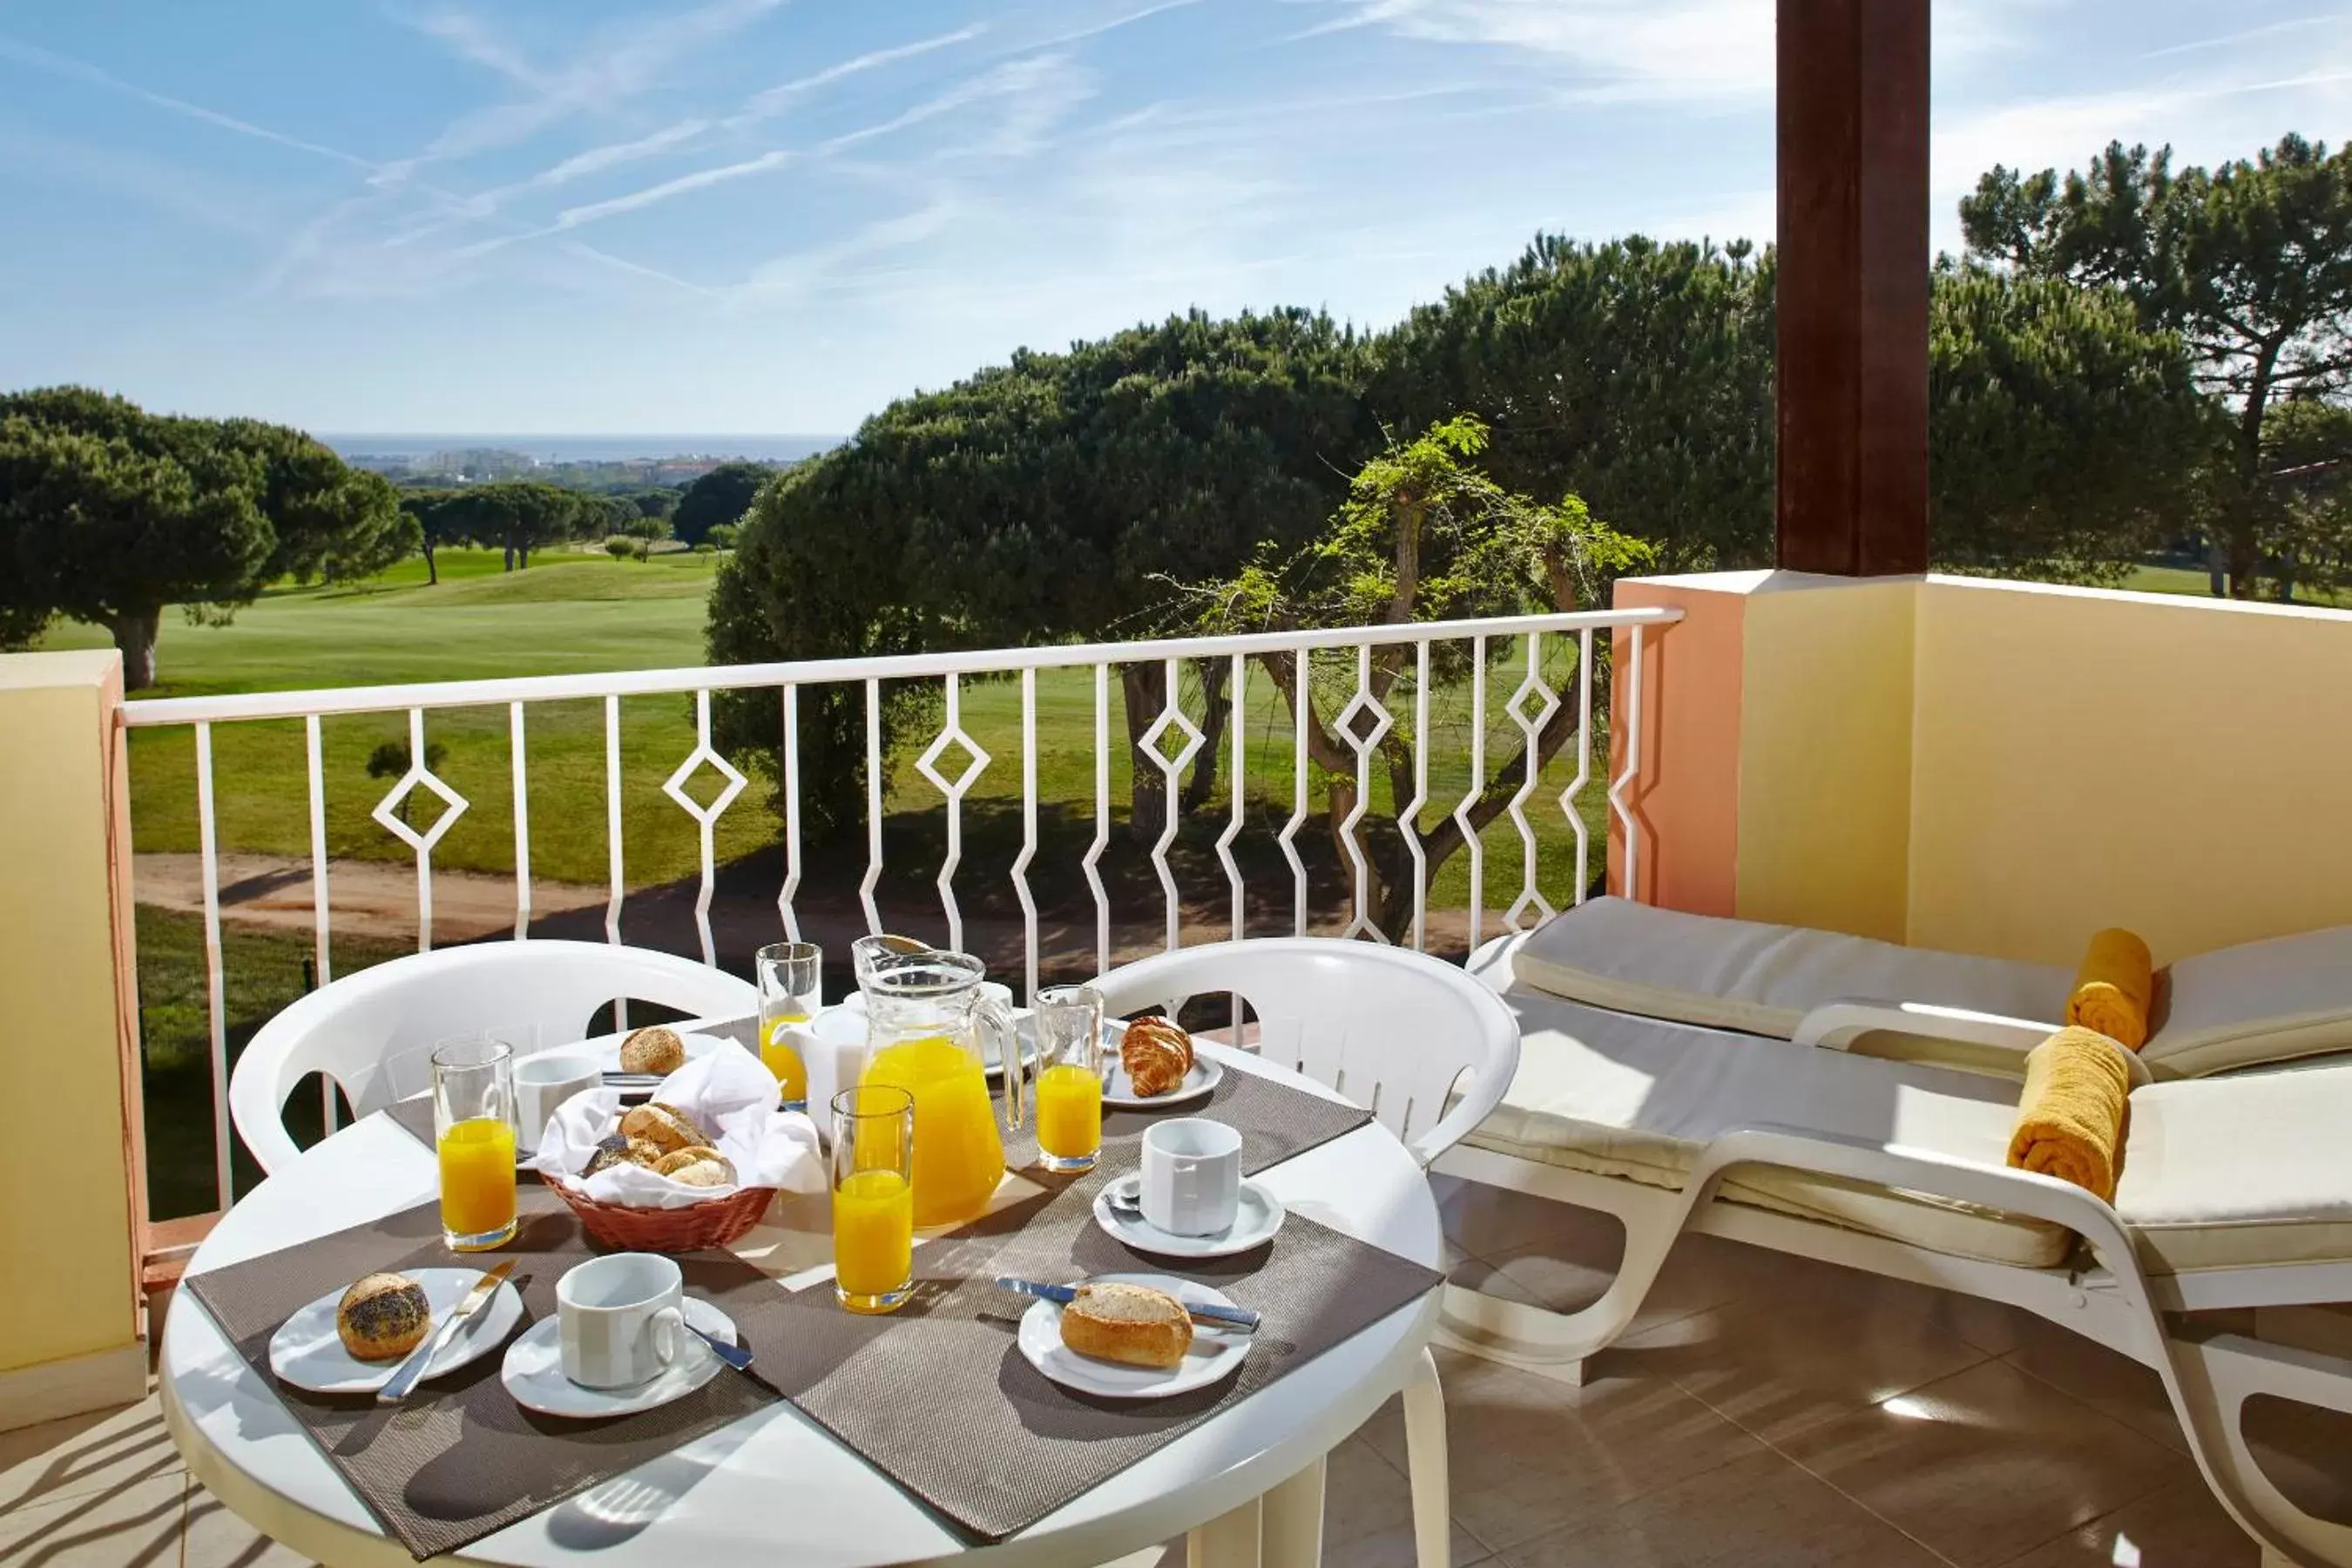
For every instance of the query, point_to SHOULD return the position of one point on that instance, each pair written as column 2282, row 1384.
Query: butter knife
column 1201, row 1311
column 406, row 1375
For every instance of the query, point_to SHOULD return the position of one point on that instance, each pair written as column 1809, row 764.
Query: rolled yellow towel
column 2114, row 988
column 2070, row 1120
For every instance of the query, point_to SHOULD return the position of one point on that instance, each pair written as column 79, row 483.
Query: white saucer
column 533, row 1372
column 1213, row 1356
column 1118, row 1090
column 1259, row 1215
column 306, row 1352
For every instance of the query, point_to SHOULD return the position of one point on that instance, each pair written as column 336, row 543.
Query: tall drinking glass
column 790, row 977
column 1070, row 1020
column 873, row 1198
column 474, row 1133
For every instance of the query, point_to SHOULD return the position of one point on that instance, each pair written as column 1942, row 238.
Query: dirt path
column 377, row 900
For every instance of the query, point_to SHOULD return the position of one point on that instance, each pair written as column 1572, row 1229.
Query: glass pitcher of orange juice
column 925, row 1015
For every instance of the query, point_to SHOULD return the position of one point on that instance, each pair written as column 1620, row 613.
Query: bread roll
column 657, row 1049
column 666, row 1127
column 697, row 1167
column 383, row 1316
column 1157, row 1055
column 1131, row 1324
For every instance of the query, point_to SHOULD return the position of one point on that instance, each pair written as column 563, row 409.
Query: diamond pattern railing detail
column 1531, row 708
column 705, row 817
column 387, row 813
column 1363, row 743
column 976, row 761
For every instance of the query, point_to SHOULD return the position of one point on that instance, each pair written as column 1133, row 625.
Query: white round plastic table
column 774, row 1487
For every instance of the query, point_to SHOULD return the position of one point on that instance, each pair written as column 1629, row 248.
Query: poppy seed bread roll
column 654, row 1050
column 382, row 1316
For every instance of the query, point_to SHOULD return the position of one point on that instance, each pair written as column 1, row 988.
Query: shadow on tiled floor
column 1767, row 1411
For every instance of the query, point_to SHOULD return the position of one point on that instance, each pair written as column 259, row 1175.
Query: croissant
column 1157, row 1055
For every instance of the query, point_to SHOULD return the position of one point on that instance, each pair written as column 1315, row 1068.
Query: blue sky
column 738, row 216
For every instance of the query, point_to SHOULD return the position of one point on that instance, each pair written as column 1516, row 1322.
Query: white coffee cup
column 1191, row 1175
column 620, row 1318
column 542, row 1083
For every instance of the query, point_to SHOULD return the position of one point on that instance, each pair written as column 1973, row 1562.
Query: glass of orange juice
column 790, row 978
column 474, row 1133
column 1069, row 1023
column 873, row 1197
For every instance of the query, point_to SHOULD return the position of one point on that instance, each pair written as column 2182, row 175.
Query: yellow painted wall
column 66, row 1230
column 1825, row 756
column 2180, row 766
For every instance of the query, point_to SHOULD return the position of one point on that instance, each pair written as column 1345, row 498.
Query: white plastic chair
column 371, row 1033
column 1399, row 1033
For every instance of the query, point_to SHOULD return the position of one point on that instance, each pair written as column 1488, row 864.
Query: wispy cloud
column 608, row 68
column 79, row 71
column 771, row 101
column 1622, row 49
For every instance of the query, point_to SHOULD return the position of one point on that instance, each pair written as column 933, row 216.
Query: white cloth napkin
column 728, row 1093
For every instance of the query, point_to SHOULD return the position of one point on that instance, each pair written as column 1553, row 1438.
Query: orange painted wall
column 1686, row 796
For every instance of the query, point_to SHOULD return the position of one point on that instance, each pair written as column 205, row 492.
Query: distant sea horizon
column 772, row 449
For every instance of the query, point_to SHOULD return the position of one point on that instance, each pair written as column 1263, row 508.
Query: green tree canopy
column 2251, row 263
column 2065, row 440
column 1049, row 497
column 518, row 516
column 722, row 495
column 1635, row 373
column 109, row 514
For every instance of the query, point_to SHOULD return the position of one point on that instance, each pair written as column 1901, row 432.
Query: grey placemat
column 461, row 1460
column 939, row 1397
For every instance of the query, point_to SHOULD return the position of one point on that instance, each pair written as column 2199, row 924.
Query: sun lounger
column 2234, row 1193
column 2260, row 1002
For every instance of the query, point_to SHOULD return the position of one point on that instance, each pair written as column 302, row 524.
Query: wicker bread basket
column 714, row 1222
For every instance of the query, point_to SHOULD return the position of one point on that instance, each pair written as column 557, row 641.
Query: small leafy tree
column 620, row 547
column 721, row 537
column 1423, row 535
column 648, row 532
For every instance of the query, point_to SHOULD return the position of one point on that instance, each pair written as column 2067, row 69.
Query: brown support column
column 1853, row 291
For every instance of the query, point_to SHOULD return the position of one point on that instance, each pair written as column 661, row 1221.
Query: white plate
column 533, row 1372
column 1258, row 1217
column 306, row 1352
column 1214, row 1356
column 1118, row 1090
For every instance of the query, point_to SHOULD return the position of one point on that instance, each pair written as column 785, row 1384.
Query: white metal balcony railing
column 1531, row 706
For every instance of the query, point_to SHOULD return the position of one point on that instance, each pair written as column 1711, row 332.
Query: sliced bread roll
column 1131, row 1324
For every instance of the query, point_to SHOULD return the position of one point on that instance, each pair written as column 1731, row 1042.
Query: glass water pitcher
column 926, row 1015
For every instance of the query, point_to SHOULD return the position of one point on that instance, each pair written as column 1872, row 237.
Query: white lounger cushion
column 2261, row 1002
column 1637, row 1098
column 2243, row 1172
column 2218, row 1173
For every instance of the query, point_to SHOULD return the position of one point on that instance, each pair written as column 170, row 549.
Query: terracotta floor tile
column 1483, row 1220
column 215, row 1538
column 1757, row 1512
column 1984, row 1465
column 1528, row 1456
column 131, row 1524
column 2105, row 1380
column 1776, row 1371
column 59, row 1460
column 2307, row 1452
column 2178, row 1526
column 1368, row 1513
